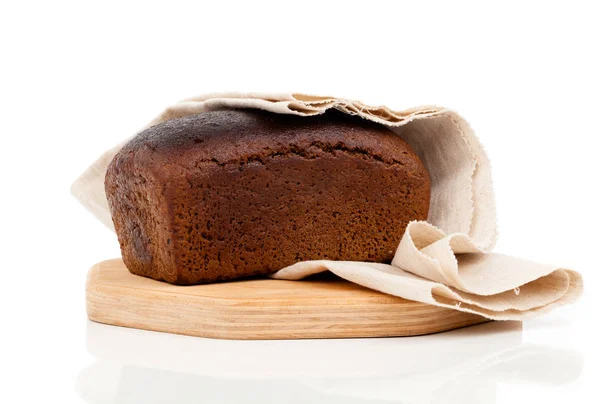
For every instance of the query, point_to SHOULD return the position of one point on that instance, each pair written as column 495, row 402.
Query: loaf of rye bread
column 235, row 193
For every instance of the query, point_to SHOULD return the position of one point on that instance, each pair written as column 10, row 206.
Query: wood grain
column 260, row 309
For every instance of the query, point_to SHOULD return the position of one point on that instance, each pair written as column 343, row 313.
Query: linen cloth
column 445, row 261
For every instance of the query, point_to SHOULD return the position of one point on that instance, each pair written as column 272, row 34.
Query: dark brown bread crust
column 229, row 194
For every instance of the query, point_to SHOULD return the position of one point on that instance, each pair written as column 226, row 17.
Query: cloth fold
column 445, row 261
column 451, row 271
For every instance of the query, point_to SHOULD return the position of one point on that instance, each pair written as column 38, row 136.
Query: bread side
column 229, row 194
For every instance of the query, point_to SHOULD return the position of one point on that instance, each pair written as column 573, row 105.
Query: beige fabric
column 454, row 270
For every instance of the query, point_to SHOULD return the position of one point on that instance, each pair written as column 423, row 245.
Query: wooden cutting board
column 325, row 307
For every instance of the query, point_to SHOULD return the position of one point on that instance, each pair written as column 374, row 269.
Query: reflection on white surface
column 461, row 366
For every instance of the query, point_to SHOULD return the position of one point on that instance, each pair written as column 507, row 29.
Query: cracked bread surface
column 235, row 193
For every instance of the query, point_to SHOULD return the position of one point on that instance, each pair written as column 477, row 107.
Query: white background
column 77, row 77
